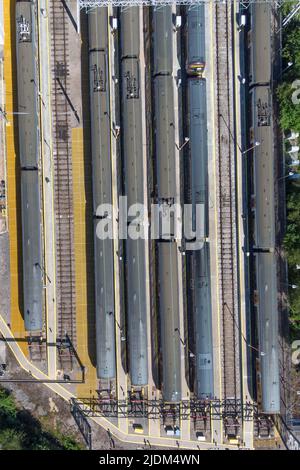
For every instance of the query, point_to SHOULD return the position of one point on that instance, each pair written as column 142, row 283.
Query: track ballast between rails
column 226, row 200
column 65, row 269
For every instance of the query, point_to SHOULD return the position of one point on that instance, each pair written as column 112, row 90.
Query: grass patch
column 20, row 430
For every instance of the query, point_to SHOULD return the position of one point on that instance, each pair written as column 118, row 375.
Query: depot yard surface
column 13, row 181
column 53, row 412
column 114, row 338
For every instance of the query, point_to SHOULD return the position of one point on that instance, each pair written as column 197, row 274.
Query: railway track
column 37, row 352
column 63, row 199
column 226, row 196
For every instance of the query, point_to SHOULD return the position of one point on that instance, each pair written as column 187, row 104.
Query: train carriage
column 264, row 210
column 27, row 76
column 102, row 192
column 166, row 193
column 132, row 155
column 32, row 251
column 29, row 150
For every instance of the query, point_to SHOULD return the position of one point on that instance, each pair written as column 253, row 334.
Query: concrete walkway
column 66, row 395
column 47, row 172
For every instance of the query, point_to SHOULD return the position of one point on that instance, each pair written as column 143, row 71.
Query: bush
column 11, row 439
column 7, row 405
column 290, row 120
column 19, row 430
column 289, row 112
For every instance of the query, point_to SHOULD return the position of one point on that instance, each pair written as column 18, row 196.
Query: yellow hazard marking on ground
column 84, row 265
column 13, row 173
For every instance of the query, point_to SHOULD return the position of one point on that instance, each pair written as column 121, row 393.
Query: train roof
column 32, row 251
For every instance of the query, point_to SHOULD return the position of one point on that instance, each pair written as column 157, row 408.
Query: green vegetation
column 20, row 430
column 292, row 248
column 290, row 112
column 290, row 121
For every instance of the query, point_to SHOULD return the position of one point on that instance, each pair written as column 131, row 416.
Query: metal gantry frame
column 89, row 4
column 62, row 344
column 83, row 425
column 232, row 412
column 154, row 409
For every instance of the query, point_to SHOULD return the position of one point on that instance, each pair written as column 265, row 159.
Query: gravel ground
column 53, row 411
column 4, row 276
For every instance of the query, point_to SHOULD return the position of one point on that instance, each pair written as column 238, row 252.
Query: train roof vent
column 115, row 23
column 99, row 77
column 24, row 29
column 178, row 22
column 242, row 21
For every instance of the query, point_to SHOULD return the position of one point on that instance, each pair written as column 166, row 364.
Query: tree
column 11, row 439
column 289, row 112
column 291, row 48
column 7, row 404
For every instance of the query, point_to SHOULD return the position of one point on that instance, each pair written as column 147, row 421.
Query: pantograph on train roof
column 24, row 29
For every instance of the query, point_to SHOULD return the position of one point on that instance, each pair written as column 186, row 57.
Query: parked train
column 132, row 155
column 169, row 321
column 197, row 132
column 166, row 193
column 27, row 79
column 264, row 181
column 102, row 191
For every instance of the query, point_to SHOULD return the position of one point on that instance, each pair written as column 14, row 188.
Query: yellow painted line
column 25, row 363
column 13, row 175
column 42, row 146
column 84, row 271
column 3, row 216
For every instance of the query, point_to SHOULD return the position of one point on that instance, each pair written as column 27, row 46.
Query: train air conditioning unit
column 243, row 21
column 24, row 30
